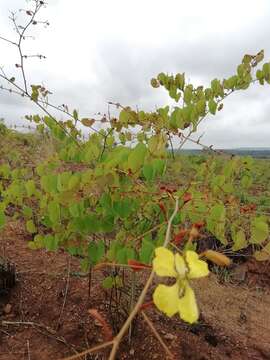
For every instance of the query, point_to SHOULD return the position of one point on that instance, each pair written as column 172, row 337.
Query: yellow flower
column 179, row 297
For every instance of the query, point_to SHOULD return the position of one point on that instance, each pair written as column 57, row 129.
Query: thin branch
column 172, row 150
column 118, row 338
column 9, row 41
column 39, row 327
column 140, row 301
column 89, row 351
column 28, row 350
column 209, row 148
column 21, row 38
column 65, row 295
column 42, row 108
column 154, row 331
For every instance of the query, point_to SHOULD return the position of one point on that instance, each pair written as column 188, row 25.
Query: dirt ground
column 234, row 324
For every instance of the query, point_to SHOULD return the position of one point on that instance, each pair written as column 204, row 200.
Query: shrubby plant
column 108, row 202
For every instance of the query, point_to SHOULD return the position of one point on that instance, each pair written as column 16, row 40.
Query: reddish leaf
column 178, row 238
column 162, row 208
column 187, row 197
column 107, row 331
column 146, row 305
column 199, row 224
column 137, row 265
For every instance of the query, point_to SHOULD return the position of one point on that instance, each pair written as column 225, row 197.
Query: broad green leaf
column 96, row 251
column 74, row 181
column 146, row 251
column 239, row 240
column 112, row 281
column 54, row 211
column 149, row 172
column 123, row 208
column 136, row 157
column 259, row 230
column 212, row 106
column 188, row 94
column 246, row 181
column 30, row 227
column 49, row 183
column 30, row 188
column 51, row 242
column 2, row 219
column 216, row 222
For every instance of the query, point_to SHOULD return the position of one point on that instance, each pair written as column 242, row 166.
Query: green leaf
column 74, row 181
column 188, row 94
column 51, row 242
column 216, row 222
column 2, row 219
column 259, row 230
column 136, row 157
column 123, row 208
column 96, row 251
column 200, row 107
column 212, row 106
column 240, row 241
column 157, row 144
column 85, row 265
column 88, row 224
column 149, row 172
column 246, row 181
column 146, row 251
column 75, row 209
column 30, row 227
column 27, row 212
column 49, row 183
column 30, row 187
column 112, row 281
column 180, row 81
column 54, row 211
column 75, row 114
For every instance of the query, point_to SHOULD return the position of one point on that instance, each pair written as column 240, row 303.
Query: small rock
column 169, row 336
column 97, row 323
column 7, row 309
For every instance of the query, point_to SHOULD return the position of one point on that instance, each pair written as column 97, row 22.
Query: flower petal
column 187, row 306
column 197, row 268
column 166, row 299
column 180, row 265
column 163, row 263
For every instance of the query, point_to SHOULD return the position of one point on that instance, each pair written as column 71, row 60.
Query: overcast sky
column 101, row 50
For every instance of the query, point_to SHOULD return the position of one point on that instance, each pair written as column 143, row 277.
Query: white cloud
column 103, row 50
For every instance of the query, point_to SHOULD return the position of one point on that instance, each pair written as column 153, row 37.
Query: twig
column 137, row 307
column 39, row 327
column 208, row 148
column 28, row 350
column 118, row 338
column 89, row 282
column 168, row 232
column 170, row 140
column 43, row 109
column 154, row 331
column 132, row 298
column 89, row 351
column 65, row 296
column 9, row 41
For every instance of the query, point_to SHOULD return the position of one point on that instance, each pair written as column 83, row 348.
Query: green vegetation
column 111, row 203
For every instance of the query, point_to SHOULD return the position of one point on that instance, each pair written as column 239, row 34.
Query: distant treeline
column 256, row 153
